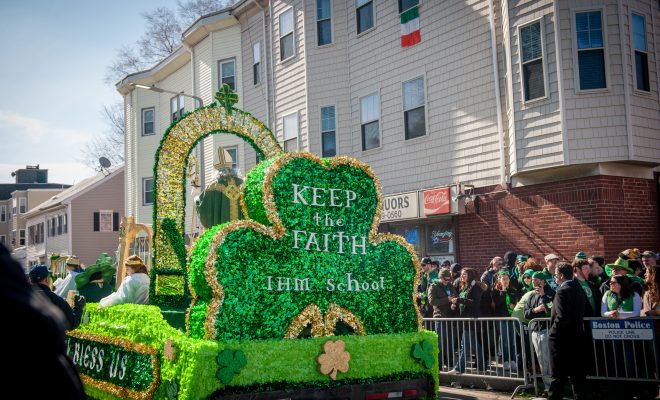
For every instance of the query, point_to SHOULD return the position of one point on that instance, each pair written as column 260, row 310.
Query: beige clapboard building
column 528, row 126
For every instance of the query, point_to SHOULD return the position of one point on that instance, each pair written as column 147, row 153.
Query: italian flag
column 410, row 27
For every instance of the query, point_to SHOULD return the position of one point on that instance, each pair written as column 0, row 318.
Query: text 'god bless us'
column 339, row 241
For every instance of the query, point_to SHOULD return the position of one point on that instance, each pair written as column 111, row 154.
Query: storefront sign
column 437, row 201
column 607, row 329
column 400, row 206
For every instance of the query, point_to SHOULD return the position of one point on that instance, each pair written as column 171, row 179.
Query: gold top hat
column 73, row 261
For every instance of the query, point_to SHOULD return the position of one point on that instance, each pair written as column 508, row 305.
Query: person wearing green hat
column 526, row 281
column 539, row 305
column 621, row 267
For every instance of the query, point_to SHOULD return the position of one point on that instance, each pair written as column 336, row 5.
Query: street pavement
column 450, row 393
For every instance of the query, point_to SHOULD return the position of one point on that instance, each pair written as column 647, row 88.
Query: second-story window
column 364, row 14
column 177, row 107
column 407, row 4
column 531, row 58
column 328, row 137
column 21, row 237
column 60, row 225
column 233, row 153
column 287, row 48
column 641, row 55
column 66, row 224
column 369, row 119
column 147, row 191
column 227, row 70
column 290, row 132
column 14, row 203
column 256, row 63
column 148, row 121
column 323, row 22
column 106, row 221
column 22, row 205
column 414, row 114
column 3, row 213
column 591, row 50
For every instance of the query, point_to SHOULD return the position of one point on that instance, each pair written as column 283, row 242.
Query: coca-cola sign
column 437, row 201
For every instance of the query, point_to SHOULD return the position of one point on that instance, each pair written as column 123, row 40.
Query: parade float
column 302, row 298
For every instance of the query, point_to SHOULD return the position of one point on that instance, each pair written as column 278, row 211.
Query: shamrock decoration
column 334, row 359
column 172, row 390
column 226, row 97
column 424, row 353
column 310, row 238
column 230, row 363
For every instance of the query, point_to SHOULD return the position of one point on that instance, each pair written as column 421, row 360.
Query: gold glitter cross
column 226, row 97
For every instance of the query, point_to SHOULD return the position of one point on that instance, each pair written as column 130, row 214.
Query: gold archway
column 129, row 232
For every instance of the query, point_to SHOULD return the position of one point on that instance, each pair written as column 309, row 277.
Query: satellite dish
column 105, row 163
column 13, row 174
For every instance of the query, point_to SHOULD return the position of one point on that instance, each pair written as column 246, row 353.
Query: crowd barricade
column 615, row 350
column 502, row 341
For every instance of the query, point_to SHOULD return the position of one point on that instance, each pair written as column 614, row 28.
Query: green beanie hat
column 581, row 255
column 539, row 275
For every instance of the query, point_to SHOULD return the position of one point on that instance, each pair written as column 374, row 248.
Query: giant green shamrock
column 308, row 256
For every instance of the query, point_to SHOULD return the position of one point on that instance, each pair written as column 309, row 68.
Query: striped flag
column 410, row 27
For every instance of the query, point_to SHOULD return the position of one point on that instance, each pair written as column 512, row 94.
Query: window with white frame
column 369, row 120
column 22, row 205
column 66, row 223
column 21, row 237
column 287, row 49
column 14, row 203
column 290, row 132
column 177, row 107
column 13, row 237
column 590, row 49
column 328, row 137
column 256, row 63
column 227, row 70
column 323, row 22
column 147, row 191
column 31, row 230
column 60, row 225
column 641, row 53
column 105, row 221
column 531, row 58
column 364, row 14
column 233, row 153
column 148, row 115
column 414, row 102
column 3, row 213
column 407, row 4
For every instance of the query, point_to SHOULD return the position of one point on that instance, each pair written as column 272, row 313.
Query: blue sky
column 54, row 60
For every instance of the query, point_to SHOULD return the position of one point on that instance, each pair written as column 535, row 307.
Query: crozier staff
column 134, row 288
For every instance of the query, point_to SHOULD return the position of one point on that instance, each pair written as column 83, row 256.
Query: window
column 147, row 191
column 227, row 73
column 13, row 237
column 53, row 222
column 66, row 223
column 369, row 116
column 233, row 153
column 3, row 239
column 148, row 121
column 21, row 237
column 3, row 213
column 36, row 233
column 413, row 108
column 177, row 107
column 591, row 50
column 290, row 131
column 328, row 141
column 286, row 35
column 106, row 221
column 13, row 206
column 641, row 55
column 256, row 63
column 364, row 13
column 406, row 4
column 531, row 57
column 60, row 225
column 323, row 22
column 40, row 232
column 31, row 230
column 22, row 205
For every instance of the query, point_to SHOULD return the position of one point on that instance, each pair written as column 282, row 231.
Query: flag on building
column 410, row 27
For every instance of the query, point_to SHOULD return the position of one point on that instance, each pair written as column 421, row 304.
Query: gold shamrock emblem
column 169, row 350
column 334, row 359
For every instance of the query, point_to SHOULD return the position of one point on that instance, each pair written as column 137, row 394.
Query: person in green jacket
column 526, row 281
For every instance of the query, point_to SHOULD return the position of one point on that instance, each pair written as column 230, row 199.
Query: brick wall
column 599, row 215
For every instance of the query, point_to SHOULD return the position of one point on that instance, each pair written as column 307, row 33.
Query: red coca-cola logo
column 437, row 202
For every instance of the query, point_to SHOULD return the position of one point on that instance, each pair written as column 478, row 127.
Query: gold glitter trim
column 311, row 315
column 116, row 390
column 211, row 273
column 334, row 358
column 336, row 314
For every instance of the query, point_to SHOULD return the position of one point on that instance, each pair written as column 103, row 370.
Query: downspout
column 496, row 77
column 560, row 85
column 626, row 89
column 272, row 123
column 266, row 61
column 200, row 152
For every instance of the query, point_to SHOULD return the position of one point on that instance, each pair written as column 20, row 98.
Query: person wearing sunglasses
column 620, row 301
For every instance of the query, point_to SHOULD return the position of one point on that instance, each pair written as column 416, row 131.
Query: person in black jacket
column 41, row 280
column 503, row 300
column 566, row 336
column 539, row 305
column 440, row 296
column 33, row 334
column 469, row 306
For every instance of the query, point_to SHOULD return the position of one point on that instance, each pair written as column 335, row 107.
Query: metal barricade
column 490, row 348
column 622, row 356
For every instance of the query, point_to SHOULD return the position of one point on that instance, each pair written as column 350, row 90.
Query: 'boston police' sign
column 608, row 329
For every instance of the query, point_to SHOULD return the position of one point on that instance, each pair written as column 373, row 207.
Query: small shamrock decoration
column 424, row 353
column 172, row 390
column 230, row 362
column 334, row 358
column 226, row 97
